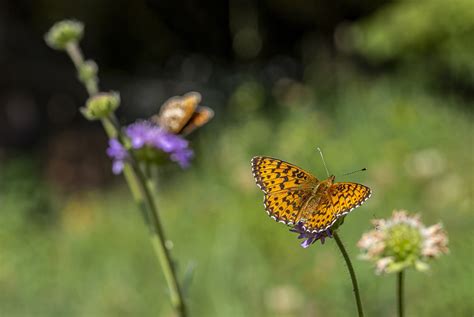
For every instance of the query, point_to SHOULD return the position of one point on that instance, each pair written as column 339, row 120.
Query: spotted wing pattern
column 292, row 195
column 340, row 199
column 345, row 197
column 286, row 187
column 285, row 206
column 273, row 175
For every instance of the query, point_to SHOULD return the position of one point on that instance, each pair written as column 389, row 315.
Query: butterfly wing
column 273, row 175
column 341, row 198
column 345, row 197
column 285, row 206
column 176, row 112
column 287, row 187
column 200, row 117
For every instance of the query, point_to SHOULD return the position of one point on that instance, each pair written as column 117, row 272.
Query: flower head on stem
column 65, row 36
column 308, row 237
column 312, row 237
column 402, row 241
column 151, row 144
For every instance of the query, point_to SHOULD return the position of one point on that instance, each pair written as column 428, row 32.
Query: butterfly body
column 182, row 115
column 294, row 196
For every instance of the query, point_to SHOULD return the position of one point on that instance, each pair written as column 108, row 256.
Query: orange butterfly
column 295, row 197
column 182, row 115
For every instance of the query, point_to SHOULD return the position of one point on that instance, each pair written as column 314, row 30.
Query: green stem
column 351, row 272
column 74, row 52
column 142, row 194
column 400, row 293
column 159, row 244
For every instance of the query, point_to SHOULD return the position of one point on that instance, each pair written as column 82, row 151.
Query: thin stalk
column 351, row 273
column 136, row 178
column 74, row 52
column 159, row 243
column 142, row 194
column 400, row 306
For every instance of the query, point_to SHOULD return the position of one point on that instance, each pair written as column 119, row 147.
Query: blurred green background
column 376, row 84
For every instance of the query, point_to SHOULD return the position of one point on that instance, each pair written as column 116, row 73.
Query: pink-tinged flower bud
column 401, row 242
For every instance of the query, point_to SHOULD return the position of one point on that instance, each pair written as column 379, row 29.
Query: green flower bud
column 101, row 105
column 88, row 71
column 64, row 32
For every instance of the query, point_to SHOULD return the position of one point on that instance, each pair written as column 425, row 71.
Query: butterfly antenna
column 324, row 162
column 362, row 169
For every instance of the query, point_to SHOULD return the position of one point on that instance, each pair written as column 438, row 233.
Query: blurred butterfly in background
column 182, row 115
column 295, row 197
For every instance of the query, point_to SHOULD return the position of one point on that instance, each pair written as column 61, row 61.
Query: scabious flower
column 310, row 237
column 118, row 153
column 151, row 144
column 144, row 134
column 401, row 242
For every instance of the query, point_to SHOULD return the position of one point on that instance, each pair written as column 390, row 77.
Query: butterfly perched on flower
column 297, row 198
column 182, row 114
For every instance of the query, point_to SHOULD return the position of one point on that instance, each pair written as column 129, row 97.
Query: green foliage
column 98, row 261
column 440, row 33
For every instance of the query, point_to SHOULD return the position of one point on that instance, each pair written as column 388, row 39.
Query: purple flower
column 118, row 153
column 150, row 137
column 310, row 237
column 183, row 157
column 145, row 133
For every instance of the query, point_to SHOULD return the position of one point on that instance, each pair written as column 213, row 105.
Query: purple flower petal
column 116, row 150
column 310, row 237
column 182, row 157
column 117, row 167
column 118, row 154
column 145, row 133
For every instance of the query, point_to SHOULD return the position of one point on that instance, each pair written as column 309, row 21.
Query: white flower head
column 402, row 241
